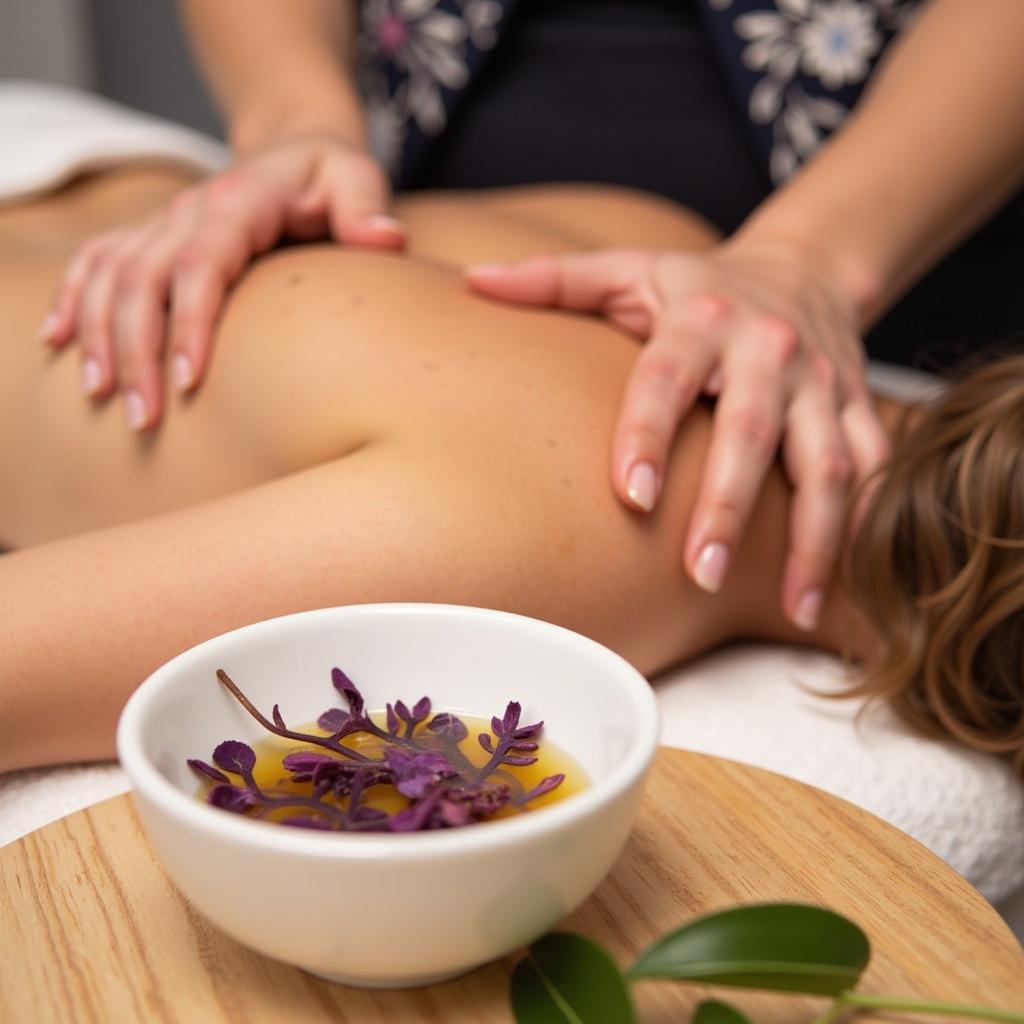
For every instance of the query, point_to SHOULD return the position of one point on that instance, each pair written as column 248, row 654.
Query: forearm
column 935, row 146
column 279, row 69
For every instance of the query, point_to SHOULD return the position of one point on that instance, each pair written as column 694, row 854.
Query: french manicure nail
column 383, row 221
column 712, row 563
column 135, row 410
column 47, row 328
column 485, row 268
column 92, row 376
column 808, row 609
column 642, row 485
column 181, row 372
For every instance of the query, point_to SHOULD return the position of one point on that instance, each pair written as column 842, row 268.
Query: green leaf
column 788, row 947
column 711, row 1011
column 567, row 979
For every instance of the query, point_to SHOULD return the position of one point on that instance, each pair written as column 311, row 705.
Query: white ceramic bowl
column 387, row 910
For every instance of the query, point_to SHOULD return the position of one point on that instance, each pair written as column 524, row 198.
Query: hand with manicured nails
column 151, row 292
column 759, row 325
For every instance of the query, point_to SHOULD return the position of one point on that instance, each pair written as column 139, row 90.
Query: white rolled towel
column 50, row 133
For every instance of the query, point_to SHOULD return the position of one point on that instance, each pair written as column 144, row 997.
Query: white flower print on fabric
column 838, row 42
column 831, row 40
column 482, row 17
column 429, row 46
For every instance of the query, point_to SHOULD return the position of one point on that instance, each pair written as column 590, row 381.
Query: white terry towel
column 50, row 133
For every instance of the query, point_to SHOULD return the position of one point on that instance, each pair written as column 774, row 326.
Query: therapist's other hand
column 151, row 293
column 759, row 325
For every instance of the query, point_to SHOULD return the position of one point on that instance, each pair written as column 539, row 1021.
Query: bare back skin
column 369, row 431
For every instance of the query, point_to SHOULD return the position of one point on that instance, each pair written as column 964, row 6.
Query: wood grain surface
column 91, row 930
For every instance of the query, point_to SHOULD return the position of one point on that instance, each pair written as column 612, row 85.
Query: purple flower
column 202, row 768
column 231, row 798
column 235, row 756
column 448, row 726
column 333, row 720
column 348, row 690
column 303, row 763
column 545, row 785
column 415, row 772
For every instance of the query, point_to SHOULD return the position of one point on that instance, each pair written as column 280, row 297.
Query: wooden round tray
column 92, row 930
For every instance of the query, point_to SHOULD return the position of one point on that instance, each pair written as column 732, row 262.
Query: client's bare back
column 368, row 431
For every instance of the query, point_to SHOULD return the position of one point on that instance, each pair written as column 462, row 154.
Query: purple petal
column 518, row 762
column 304, row 760
column 542, row 787
column 454, row 814
column 231, row 798
column 489, row 798
column 522, row 745
column 348, row 690
column 448, row 725
column 202, row 768
column 496, row 725
column 485, row 742
column 412, row 819
column 402, row 711
column 510, row 722
column 415, row 772
column 421, row 708
column 392, row 719
column 333, row 720
column 235, row 756
column 278, row 720
column 304, row 821
column 528, row 731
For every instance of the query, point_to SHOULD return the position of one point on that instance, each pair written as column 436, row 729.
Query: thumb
column 581, row 281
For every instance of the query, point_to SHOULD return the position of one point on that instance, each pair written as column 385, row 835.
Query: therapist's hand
column 151, row 293
column 759, row 325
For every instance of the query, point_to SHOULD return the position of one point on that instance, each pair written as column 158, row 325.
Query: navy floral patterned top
column 742, row 94
column 796, row 66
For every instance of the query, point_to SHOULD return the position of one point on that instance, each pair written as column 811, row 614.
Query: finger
column 356, row 197
column 140, row 317
column 665, row 381
column 93, row 327
column 580, row 281
column 819, row 465
column 62, row 320
column 744, row 439
column 869, row 446
column 212, row 259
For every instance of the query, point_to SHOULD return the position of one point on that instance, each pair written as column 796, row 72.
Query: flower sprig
column 421, row 758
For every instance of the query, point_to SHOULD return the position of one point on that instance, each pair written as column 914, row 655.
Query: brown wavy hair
column 937, row 567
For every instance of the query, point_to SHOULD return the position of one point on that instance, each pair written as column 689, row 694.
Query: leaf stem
column 858, row 1000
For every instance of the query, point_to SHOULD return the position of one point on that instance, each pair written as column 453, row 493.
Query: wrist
column 850, row 275
column 269, row 122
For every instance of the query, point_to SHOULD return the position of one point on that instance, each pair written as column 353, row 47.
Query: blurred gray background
column 129, row 50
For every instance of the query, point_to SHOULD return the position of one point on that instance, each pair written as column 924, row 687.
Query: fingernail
column 642, row 485
column 92, row 376
column 808, row 609
column 181, row 372
column 712, row 562
column 386, row 223
column 47, row 328
column 135, row 410
column 486, row 268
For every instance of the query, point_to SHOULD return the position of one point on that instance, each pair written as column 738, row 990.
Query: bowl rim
column 150, row 785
